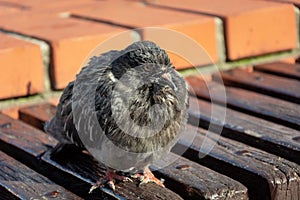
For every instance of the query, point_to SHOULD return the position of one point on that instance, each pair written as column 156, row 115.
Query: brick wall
column 43, row 43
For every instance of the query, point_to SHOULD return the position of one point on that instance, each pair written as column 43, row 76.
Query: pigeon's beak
column 169, row 78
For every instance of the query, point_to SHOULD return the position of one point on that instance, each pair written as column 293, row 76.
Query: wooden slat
column 281, row 69
column 269, row 108
column 197, row 182
column 266, row 176
column 33, row 147
column 194, row 181
column 20, row 137
column 278, row 87
column 257, row 132
column 21, row 182
column 44, row 111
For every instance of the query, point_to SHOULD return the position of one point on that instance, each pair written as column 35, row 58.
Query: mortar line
column 220, row 35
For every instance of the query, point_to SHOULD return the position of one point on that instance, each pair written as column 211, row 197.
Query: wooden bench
column 256, row 157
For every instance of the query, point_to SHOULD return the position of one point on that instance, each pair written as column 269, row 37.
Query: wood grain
column 269, row 108
column 278, row 87
column 262, row 134
column 266, row 176
column 21, row 182
column 197, row 182
column 281, row 69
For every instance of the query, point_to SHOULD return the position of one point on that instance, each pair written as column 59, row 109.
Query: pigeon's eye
column 147, row 67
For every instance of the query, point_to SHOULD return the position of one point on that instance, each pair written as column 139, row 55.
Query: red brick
column 295, row 2
column 21, row 68
column 184, row 52
column 200, row 28
column 11, row 7
column 251, row 27
column 38, row 6
column 71, row 40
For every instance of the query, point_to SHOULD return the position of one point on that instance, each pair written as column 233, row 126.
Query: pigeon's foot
column 148, row 177
column 108, row 179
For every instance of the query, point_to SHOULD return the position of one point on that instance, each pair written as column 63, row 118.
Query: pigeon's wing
column 79, row 95
column 64, row 110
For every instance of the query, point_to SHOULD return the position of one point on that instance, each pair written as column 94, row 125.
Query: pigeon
column 127, row 108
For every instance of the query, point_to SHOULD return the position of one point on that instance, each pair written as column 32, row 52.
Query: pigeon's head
column 145, row 61
column 149, row 86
